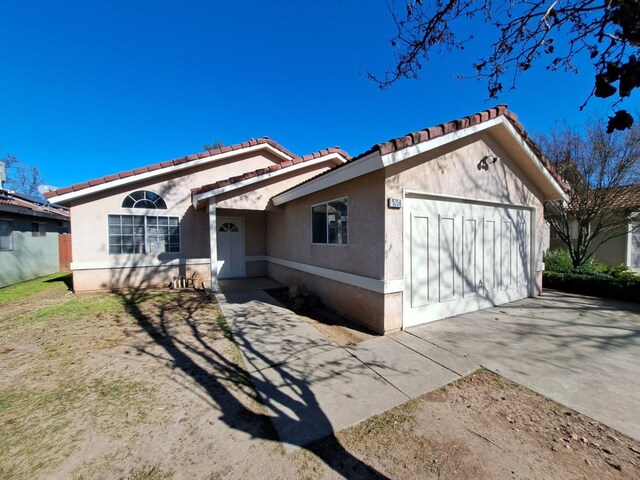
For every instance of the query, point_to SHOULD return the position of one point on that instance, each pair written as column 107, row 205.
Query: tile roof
column 169, row 163
column 13, row 200
column 626, row 197
column 396, row 144
column 272, row 168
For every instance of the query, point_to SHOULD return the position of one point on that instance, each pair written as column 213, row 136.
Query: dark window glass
column 130, row 234
column 144, row 199
column 319, row 223
column 6, row 234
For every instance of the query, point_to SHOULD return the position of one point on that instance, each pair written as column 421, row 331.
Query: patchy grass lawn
column 149, row 385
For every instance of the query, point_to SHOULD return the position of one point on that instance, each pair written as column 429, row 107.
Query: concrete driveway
column 580, row 351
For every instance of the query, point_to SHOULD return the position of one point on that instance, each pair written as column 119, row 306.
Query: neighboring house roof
column 627, row 197
column 428, row 134
column 15, row 202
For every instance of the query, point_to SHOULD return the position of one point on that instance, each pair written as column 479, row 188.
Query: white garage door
column 461, row 257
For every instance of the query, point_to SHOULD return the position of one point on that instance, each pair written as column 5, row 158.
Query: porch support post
column 213, row 244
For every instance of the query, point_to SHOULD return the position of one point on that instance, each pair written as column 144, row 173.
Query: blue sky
column 90, row 88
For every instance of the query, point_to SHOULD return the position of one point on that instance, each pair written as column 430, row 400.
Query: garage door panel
column 506, row 259
column 523, row 255
column 464, row 257
column 421, row 270
column 469, row 257
column 448, row 261
column 490, row 276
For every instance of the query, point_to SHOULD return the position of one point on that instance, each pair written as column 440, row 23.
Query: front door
column 230, row 239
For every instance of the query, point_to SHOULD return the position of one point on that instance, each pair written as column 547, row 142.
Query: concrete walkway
column 313, row 387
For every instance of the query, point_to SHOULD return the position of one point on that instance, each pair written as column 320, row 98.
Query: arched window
column 228, row 227
column 144, row 199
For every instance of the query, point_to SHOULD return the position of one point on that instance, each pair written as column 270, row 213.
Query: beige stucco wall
column 453, row 170
column 258, row 196
column 289, row 229
column 363, row 306
column 138, row 277
column 375, row 247
column 92, row 261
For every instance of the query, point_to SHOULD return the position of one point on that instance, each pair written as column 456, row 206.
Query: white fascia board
column 360, row 167
column 374, row 161
column 163, row 171
column 212, row 193
column 427, row 145
column 414, row 150
column 534, row 158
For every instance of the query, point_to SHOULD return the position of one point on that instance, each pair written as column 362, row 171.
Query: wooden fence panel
column 64, row 247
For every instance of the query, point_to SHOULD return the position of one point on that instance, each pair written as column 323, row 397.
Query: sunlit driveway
column 580, row 351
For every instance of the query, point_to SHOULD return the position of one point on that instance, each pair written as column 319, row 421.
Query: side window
column 38, row 229
column 329, row 222
column 6, row 235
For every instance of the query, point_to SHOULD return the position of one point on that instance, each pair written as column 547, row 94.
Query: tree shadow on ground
column 196, row 358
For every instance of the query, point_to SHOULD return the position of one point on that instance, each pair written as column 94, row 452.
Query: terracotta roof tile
column 627, row 197
column 430, row 133
column 12, row 199
column 170, row 163
column 272, row 168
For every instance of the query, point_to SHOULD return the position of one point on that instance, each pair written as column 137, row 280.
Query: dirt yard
column 149, row 385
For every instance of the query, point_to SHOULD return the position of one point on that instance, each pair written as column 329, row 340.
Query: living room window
column 329, row 222
column 6, row 235
column 129, row 234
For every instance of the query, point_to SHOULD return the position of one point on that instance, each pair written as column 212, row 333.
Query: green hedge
column 624, row 287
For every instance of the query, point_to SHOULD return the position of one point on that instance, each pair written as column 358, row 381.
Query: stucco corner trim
column 147, row 263
column 373, row 284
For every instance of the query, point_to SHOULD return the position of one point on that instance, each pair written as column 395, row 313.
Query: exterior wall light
column 491, row 160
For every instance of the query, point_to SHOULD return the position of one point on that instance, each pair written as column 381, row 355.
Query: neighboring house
column 29, row 230
column 624, row 248
column 442, row 221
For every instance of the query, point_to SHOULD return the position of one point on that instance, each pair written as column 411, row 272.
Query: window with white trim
column 130, row 234
column 144, row 199
column 329, row 222
column 6, row 235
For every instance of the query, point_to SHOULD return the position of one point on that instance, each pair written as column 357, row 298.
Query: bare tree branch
column 603, row 171
column 553, row 33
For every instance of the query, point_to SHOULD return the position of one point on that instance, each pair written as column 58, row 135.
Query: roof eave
column 375, row 161
column 67, row 197
column 200, row 197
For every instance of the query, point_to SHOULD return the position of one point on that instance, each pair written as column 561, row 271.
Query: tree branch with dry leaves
column 555, row 33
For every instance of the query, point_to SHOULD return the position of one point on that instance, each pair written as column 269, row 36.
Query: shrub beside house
column 592, row 278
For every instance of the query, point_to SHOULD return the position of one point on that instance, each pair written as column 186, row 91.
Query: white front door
column 462, row 257
column 230, row 237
